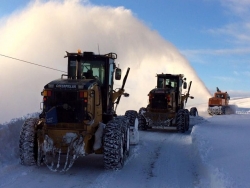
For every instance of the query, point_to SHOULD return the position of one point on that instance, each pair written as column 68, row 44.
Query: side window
column 98, row 72
column 72, row 68
column 173, row 84
column 160, row 83
column 111, row 72
column 167, row 82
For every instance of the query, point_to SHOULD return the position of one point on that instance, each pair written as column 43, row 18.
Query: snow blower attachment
column 219, row 104
column 79, row 116
column 166, row 106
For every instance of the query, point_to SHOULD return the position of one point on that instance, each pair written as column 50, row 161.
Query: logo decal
column 66, row 86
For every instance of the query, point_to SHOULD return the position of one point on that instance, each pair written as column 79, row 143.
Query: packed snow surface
column 213, row 153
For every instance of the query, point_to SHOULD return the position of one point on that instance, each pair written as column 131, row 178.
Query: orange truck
column 219, row 103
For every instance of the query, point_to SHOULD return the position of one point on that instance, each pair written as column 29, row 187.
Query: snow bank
column 9, row 139
column 223, row 145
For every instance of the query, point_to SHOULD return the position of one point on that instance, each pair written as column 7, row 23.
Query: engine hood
column 69, row 84
column 161, row 90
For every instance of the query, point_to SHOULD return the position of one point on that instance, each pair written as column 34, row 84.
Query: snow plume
column 42, row 31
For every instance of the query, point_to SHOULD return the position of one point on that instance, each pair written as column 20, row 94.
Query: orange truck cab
column 219, row 103
column 219, row 99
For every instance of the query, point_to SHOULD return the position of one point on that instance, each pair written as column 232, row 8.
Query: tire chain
column 181, row 121
column 27, row 142
column 113, row 138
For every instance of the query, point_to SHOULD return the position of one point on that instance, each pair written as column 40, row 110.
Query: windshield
column 220, row 96
column 93, row 69
column 167, row 83
column 87, row 69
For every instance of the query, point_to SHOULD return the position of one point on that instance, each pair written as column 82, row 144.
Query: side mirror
column 118, row 74
column 126, row 94
column 185, row 85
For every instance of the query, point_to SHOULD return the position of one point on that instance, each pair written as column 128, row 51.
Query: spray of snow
column 42, row 31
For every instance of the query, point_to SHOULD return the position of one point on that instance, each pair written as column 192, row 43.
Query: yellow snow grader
column 166, row 104
column 79, row 116
column 219, row 104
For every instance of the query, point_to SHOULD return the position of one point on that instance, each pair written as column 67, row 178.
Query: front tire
column 116, row 143
column 28, row 142
column 181, row 121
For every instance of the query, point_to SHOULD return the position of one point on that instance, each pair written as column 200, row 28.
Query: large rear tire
column 28, row 142
column 116, row 139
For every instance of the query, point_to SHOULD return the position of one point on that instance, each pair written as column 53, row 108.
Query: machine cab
column 95, row 68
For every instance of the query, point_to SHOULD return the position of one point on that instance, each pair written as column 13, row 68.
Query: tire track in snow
column 152, row 165
column 161, row 159
column 173, row 166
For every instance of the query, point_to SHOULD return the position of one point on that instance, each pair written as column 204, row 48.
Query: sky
column 206, row 40
column 212, row 34
column 213, row 153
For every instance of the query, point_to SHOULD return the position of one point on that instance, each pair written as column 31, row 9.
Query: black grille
column 68, row 106
column 159, row 101
column 62, row 97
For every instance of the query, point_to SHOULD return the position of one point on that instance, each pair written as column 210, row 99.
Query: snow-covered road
column 161, row 159
column 214, row 154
